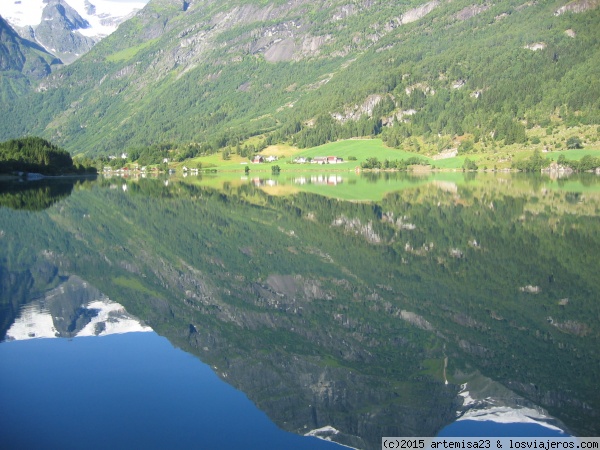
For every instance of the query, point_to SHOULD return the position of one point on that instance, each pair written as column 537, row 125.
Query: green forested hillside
column 21, row 63
column 199, row 76
column 34, row 154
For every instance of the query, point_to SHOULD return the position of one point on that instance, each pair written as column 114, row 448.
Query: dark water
column 446, row 307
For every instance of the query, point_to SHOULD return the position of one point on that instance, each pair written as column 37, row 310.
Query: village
column 138, row 170
column 259, row 159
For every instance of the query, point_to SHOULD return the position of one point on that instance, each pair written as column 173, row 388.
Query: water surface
column 125, row 391
column 447, row 301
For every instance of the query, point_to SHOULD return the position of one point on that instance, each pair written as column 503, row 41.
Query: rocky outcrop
column 416, row 320
column 536, row 46
column 577, row 6
column 355, row 112
column 445, row 154
column 470, row 11
column 419, row 12
column 530, row 289
column 412, row 15
column 356, row 226
column 572, row 327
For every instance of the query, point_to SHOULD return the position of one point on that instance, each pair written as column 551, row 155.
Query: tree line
column 34, row 154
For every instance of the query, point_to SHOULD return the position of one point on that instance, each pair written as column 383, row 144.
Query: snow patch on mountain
column 467, row 399
column 326, row 433
column 103, row 16
column 32, row 323
column 506, row 414
column 22, row 13
column 486, row 400
column 35, row 322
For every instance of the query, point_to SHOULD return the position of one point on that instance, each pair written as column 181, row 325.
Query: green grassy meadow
column 575, row 154
column 359, row 148
column 363, row 149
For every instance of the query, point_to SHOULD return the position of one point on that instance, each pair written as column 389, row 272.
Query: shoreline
column 33, row 176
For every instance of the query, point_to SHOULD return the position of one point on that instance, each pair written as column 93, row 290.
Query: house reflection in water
column 258, row 182
column 330, row 180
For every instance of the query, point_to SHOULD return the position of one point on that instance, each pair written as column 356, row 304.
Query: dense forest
column 34, row 154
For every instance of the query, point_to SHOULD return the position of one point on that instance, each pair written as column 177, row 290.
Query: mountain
column 67, row 29
column 20, row 62
column 487, row 400
column 72, row 309
column 197, row 76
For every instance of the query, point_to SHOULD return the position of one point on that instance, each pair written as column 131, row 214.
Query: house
column 319, row 160
column 300, row 160
column 258, row 159
column 334, row 160
column 271, row 158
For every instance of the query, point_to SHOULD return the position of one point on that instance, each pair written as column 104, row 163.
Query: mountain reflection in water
column 72, row 309
column 391, row 318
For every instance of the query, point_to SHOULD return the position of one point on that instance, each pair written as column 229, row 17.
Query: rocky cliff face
column 277, row 31
column 57, row 31
column 301, row 394
column 67, row 29
column 577, row 6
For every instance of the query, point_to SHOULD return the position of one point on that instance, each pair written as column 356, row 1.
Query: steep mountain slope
column 57, row 31
column 67, row 29
column 212, row 73
column 20, row 61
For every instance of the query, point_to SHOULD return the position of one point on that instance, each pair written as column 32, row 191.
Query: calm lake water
column 267, row 312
